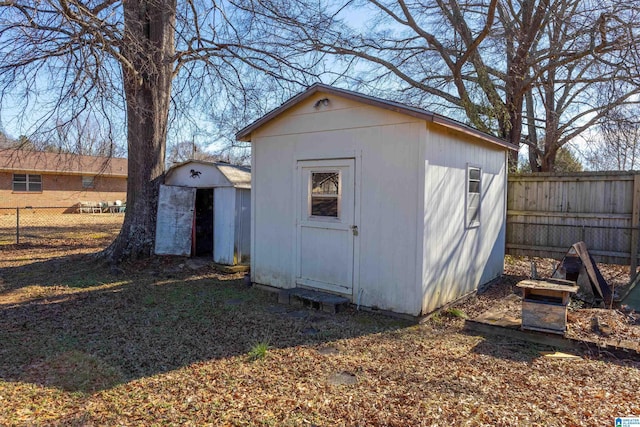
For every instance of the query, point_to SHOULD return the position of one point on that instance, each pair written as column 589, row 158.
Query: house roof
column 238, row 176
column 14, row 160
column 245, row 133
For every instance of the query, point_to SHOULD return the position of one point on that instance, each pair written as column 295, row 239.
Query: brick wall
column 62, row 191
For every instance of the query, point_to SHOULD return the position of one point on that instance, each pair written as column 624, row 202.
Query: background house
column 204, row 209
column 42, row 179
column 394, row 207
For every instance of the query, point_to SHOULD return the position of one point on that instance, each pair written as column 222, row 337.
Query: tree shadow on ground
column 508, row 348
column 77, row 325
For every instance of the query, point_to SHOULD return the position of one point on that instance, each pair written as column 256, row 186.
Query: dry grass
column 41, row 228
column 162, row 343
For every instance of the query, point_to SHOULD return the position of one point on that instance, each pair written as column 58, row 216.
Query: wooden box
column 544, row 307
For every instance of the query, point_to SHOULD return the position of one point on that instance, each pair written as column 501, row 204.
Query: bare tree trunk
column 549, row 159
column 149, row 48
column 514, row 134
column 533, row 133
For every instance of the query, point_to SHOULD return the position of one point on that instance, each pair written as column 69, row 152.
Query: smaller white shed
column 204, row 209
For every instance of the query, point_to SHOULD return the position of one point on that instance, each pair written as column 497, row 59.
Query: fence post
column 17, row 226
column 635, row 223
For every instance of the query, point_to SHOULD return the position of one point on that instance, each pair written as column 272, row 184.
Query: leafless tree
column 189, row 150
column 614, row 144
column 5, row 140
column 483, row 59
column 85, row 136
column 140, row 63
column 570, row 97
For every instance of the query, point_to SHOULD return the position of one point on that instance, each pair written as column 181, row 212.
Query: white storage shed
column 395, row 207
column 204, row 209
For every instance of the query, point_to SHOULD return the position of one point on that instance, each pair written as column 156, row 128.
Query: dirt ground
column 171, row 341
column 42, row 231
column 618, row 324
column 44, row 236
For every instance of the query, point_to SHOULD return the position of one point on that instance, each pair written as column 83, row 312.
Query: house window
column 88, row 182
column 325, row 194
column 27, row 182
column 474, row 192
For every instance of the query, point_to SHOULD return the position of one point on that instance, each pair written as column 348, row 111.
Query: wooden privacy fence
column 547, row 213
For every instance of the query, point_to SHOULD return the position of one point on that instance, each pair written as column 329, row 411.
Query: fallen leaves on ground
column 503, row 295
column 158, row 343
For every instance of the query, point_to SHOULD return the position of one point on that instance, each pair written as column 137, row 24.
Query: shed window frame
column 312, row 195
column 26, row 183
column 473, row 196
column 88, row 182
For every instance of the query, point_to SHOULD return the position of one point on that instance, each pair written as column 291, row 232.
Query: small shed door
column 174, row 225
column 325, row 224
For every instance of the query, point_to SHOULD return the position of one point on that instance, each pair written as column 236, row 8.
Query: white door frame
column 327, row 163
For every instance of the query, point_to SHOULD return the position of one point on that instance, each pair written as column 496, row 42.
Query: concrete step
column 301, row 297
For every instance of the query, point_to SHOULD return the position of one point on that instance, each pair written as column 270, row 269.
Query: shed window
column 474, row 192
column 325, row 193
column 27, row 182
column 88, row 182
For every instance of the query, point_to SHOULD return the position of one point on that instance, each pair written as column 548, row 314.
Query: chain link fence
column 58, row 226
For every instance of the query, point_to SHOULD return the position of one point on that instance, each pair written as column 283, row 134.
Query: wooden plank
column 582, row 215
column 635, row 223
column 598, row 283
column 564, row 250
column 527, row 336
column 557, row 285
column 591, row 176
column 545, row 317
column 621, row 349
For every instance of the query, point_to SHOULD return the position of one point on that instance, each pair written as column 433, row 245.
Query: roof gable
column 196, row 171
column 245, row 133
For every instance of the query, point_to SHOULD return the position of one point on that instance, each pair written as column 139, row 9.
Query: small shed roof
column 238, row 176
column 245, row 133
column 15, row 160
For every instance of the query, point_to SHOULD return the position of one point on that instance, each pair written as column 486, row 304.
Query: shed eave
column 461, row 127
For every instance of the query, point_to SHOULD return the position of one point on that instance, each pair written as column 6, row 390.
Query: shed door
column 175, row 220
column 325, row 226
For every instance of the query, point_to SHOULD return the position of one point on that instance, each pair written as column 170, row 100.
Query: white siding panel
column 339, row 114
column 389, row 212
column 243, row 225
column 387, row 165
column 273, row 213
column 224, row 205
column 458, row 259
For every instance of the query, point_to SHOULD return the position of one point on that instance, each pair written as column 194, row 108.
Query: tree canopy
column 535, row 72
